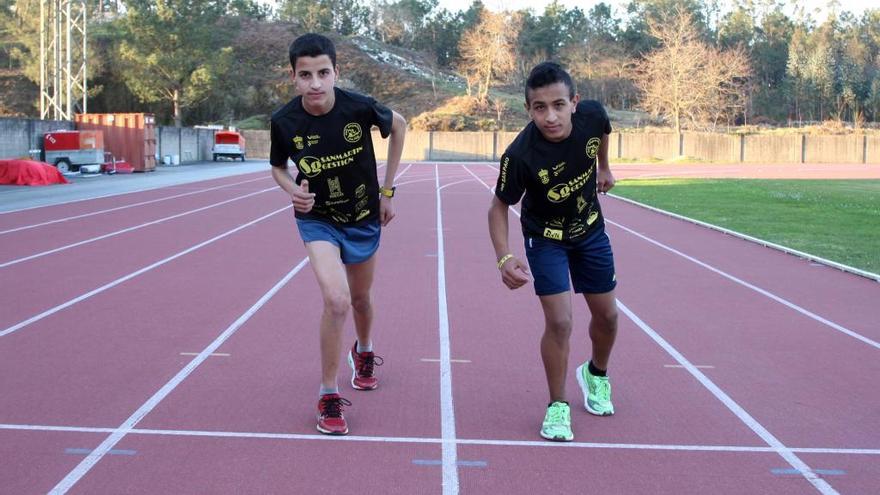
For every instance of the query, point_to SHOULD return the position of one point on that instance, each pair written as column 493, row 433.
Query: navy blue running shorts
column 356, row 244
column 587, row 260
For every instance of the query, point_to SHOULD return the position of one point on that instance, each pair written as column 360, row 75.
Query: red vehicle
column 229, row 144
column 72, row 151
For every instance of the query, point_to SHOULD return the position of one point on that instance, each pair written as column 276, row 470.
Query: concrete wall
column 642, row 145
column 773, row 149
column 466, row 146
column 416, row 146
column 872, row 149
column 834, row 149
column 17, row 136
column 712, row 147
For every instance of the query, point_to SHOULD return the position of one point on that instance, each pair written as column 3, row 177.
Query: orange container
column 128, row 136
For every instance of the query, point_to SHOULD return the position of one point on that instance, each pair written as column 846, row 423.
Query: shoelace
column 556, row 414
column 603, row 390
column 332, row 407
column 366, row 366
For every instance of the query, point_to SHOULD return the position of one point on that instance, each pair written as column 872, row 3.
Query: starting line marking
column 438, row 462
column 435, row 440
column 704, row 366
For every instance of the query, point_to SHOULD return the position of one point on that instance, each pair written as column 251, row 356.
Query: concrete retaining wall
column 773, row 149
column 17, row 136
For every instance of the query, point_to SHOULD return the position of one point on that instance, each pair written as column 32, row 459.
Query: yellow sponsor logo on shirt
column 352, row 132
column 554, row 234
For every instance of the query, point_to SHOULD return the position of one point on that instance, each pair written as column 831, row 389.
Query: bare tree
column 687, row 79
column 487, row 52
column 499, row 105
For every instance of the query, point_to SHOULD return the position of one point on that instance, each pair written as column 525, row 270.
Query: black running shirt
column 334, row 152
column 558, row 179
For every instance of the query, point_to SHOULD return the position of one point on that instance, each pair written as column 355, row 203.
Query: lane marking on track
column 698, row 366
column 763, row 292
column 438, row 462
column 432, row 360
column 823, row 472
column 128, row 425
column 447, row 409
column 437, row 440
column 793, row 460
column 130, row 229
column 216, row 354
column 821, row 485
column 756, row 240
column 142, row 203
column 732, row 278
column 133, row 274
column 146, row 189
column 109, row 452
column 125, row 428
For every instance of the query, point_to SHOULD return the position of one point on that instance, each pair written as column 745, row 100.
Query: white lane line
column 86, row 465
column 728, row 276
column 132, row 275
column 698, row 366
column 818, row 261
column 793, row 460
column 130, row 229
column 122, row 193
column 431, row 360
column 745, row 417
column 125, row 428
column 216, row 354
column 780, row 300
column 435, row 440
column 447, row 409
column 108, row 210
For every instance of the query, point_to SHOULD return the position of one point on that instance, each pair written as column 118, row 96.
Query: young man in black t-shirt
column 559, row 161
column 338, row 203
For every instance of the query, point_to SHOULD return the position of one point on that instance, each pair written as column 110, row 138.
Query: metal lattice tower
column 62, row 39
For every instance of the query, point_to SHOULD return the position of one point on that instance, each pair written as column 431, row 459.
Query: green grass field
column 837, row 220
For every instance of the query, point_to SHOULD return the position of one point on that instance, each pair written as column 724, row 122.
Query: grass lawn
column 834, row 219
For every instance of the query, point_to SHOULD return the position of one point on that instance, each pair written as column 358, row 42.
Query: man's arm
column 514, row 273
column 395, row 150
column 300, row 196
column 604, row 178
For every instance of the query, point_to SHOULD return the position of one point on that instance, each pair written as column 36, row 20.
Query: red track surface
column 787, row 351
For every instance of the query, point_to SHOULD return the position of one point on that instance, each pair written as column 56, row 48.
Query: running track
column 171, row 347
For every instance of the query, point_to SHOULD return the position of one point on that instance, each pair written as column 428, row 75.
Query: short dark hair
column 547, row 73
column 311, row 45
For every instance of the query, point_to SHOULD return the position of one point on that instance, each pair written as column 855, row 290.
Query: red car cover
column 29, row 173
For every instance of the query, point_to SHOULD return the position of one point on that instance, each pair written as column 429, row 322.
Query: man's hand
column 303, row 200
column 514, row 273
column 386, row 210
column 604, row 180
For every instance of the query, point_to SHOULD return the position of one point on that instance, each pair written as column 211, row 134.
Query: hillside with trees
column 679, row 63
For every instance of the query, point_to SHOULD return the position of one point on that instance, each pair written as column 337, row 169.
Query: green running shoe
column 597, row 392
column 557, row 423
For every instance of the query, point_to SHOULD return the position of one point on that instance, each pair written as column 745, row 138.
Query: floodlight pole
column 58, row 82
